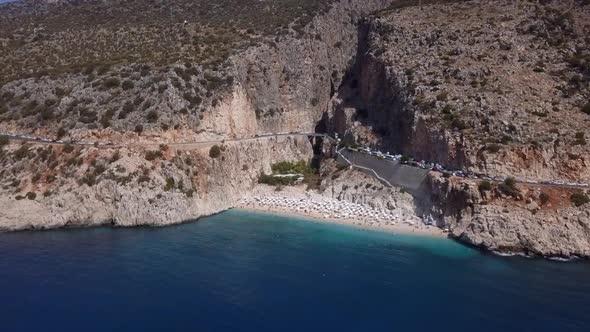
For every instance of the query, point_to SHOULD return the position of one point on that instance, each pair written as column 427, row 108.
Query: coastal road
column 379, row 168
column 194, row 144
column 197, row 144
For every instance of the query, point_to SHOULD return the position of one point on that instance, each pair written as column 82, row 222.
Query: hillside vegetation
column 40, row 38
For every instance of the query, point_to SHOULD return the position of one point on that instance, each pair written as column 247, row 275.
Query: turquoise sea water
column 240, row 271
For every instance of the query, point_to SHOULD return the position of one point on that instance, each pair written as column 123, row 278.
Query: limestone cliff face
column 282, row 86
column 378, row 96
column 287, row 85
column 133, row 191
column 526, row 225
column 470, row 86
column 357, row 187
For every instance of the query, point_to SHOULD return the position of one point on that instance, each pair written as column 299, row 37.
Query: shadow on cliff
column 368, row 96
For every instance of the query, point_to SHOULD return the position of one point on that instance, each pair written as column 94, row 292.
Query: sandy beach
column 325, row 209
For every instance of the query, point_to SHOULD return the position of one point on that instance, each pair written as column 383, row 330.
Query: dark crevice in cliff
column 366, row 96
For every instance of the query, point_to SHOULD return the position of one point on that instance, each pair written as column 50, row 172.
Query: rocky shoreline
column 344, row 73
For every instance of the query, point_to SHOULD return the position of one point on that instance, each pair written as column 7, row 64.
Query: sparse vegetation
column 580, row 138
column 544, row 197
column 102, row 41
column 128, row 85
column 215, row 151
column 508, row 187
column 68, row 148
column 484, row 186
column 3, row 141
column 288, row 173
column 579, row 199
column 153, row 155
column 111, row 82
column 152, row 116
column 169, row 184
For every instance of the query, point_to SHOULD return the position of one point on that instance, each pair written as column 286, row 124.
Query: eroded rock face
column 493, row 221
column 565, row 234
column 469, row 85
column 354, row 186
column 132, row 191
column 282, row 86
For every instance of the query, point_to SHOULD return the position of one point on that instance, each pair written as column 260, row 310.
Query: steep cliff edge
column 491, row 86
column 132, row 187
column 281, row 81
column 535, row 221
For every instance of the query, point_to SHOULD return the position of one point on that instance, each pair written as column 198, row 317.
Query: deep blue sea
column 240, row 271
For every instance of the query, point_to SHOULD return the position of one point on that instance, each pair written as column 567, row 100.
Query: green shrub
column 31, row 195
column 88, row 179
column 169, row 184
column 127, row 85
column 544, row 197
column 286, row 167
column 580, row 139
column 152, row 116
column 68, row 148
column 579, row 199
column 485, row 185
column 61, row 132
column 459, row 124
column 586, row 108
column 442, row 96
column 508, row 187
column 153, row 155
column 3, row 141
column 493, row 148
column 106, row 118
column 22, row 152
column 111, row 82
column 215, row 151
column 275, row 181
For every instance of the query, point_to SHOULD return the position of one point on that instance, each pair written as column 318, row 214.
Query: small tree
column 508, row 187
column 111, row 82
column 61, row 132
column 3, row 141
column 215, row 151
column 485, row 185
column 579, row 199
column 170, row 183
column 544, row 198
column 68, row 148
column 127, row 85
column 152, row 116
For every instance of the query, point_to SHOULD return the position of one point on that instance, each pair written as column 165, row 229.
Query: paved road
column 196, row 144
column 44, row 141
column 371, row 166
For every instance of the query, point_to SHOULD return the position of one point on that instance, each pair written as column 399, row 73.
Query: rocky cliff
column 498, row 87
column 495, row 87
column 537, row 221
column 278, row 83
column 83, row 187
